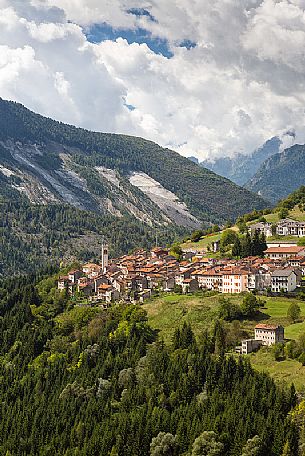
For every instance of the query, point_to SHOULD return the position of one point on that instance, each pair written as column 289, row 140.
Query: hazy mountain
column 45, row 162
column 241, row 168
column 280, row 175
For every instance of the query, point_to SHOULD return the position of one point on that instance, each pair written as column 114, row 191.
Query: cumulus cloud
column 238, row 84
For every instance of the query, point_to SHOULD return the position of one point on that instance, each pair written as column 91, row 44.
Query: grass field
column 288, row 371
column 295, row 214
column 202, row 243
column 168, row 312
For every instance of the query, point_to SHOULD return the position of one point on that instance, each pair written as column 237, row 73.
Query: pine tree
column 236, row 249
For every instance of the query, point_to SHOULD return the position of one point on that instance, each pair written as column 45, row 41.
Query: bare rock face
column 66, row 182
column 167, row 201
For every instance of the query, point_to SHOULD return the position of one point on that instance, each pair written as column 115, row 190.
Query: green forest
column 33, row 237
column 87, row 381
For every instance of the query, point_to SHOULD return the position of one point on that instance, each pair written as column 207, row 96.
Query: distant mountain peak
column 241, row 168
column 280, row 174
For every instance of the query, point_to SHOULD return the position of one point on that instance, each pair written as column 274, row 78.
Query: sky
column 207, row 78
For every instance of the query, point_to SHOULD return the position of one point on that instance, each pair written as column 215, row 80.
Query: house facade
column 269, row 334
column 283, row 280
column 235, row 281
column 284, row 252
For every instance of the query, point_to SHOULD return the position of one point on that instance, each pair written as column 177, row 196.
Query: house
column 107, row 293
column 92, row 269
column 62, row 283
column 145, row 294
column 210, row 279
column 289, row 227
column 234, row 281
column 259, row 279
column 283, row 280
column 249, row 346
column 159, row 252
column 284, row 252
column 189, row 286
column 86, row 288
column 269, row 334
column 73, row 276
column 261, row 227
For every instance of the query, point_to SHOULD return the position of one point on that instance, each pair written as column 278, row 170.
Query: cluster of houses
column 284, row 227
column 136, row 277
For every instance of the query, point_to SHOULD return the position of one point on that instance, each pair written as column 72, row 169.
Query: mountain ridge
column 46, row 161
column 281, row 174
column 241, row 168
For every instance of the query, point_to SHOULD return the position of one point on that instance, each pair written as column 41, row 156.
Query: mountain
column 241, row 168
column 47, row 162
column 280, row 175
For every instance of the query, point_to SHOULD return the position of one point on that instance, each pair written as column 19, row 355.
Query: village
column 138, row 276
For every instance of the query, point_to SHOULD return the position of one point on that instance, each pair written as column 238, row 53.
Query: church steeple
column 105, row 255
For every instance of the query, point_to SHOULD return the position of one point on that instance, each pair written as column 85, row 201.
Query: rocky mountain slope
column 44, row 161
column 280, row 175
column 241, row 168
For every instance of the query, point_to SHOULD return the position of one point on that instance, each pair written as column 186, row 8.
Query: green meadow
column 167, row 312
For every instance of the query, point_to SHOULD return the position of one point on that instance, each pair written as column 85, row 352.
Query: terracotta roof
column 104, row 286
column 292, row 250
column 265, row 326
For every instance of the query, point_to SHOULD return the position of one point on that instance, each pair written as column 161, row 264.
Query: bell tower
column 105, row 255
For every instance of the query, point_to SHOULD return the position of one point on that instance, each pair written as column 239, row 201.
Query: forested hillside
column 86, row 381
column 33, row 236
column 47, row 161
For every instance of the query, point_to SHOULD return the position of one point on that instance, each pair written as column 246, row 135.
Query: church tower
column 104, row 255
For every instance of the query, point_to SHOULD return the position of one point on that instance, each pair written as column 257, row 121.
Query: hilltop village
column 136, row 277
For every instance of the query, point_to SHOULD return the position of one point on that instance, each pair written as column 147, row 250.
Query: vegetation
column 294, row 312
column 32, row 236
column 81, row 380
column 293, row 206
column 168, row 312
column 207, row 195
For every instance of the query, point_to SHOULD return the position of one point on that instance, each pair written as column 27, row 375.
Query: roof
column 292, row 250
column 282, row 272
column 265, row 326
column 104, row 286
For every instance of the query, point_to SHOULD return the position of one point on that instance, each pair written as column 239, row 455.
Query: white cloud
column 242, row 84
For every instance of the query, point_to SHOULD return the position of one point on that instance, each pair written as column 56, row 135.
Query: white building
column 269, row 334
column 261, row 227
column 283, row 280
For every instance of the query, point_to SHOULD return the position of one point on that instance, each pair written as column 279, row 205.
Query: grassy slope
column 282, row 371
column 168, row 312
column 295, row 214
column 202, row 243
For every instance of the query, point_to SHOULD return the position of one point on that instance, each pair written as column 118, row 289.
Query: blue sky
column 101, row 32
